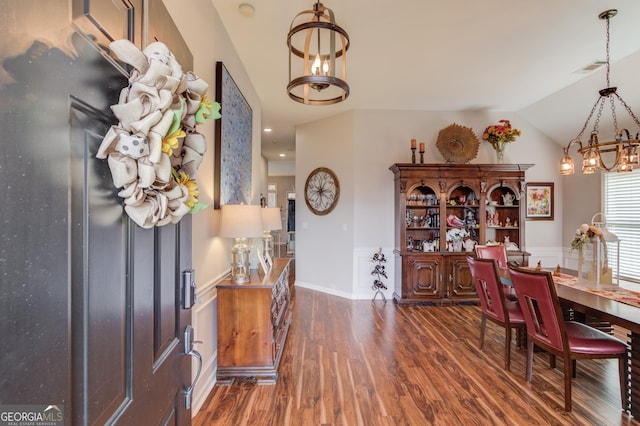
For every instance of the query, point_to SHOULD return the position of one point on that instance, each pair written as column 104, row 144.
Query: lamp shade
column 271, row 219
column 241, row 221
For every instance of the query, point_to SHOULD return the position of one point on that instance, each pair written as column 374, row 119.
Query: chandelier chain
column 607, row 50
column 596, row 126
column 611, row 91
column 613, row 114
column 586, row 123
column 628, row 108
column 626, row 151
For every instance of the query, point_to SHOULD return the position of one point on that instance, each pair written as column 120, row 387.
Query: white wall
column 324, row 244
column 360, row 146
column 282, row 168
column 208, row 41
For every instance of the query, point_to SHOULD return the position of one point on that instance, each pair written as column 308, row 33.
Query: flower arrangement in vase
column 499, row 135
column 584, row 236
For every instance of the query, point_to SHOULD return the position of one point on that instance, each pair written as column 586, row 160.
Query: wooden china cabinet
column 485, row 200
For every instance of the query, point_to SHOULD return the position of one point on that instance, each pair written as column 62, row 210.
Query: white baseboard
column 321, row 289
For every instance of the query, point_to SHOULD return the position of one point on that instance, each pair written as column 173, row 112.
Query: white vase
column 457, row 245
column 499, row 147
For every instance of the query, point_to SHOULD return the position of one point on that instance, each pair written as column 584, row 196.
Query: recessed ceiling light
column 267, row 129
column 247, row 10
column 282, row 155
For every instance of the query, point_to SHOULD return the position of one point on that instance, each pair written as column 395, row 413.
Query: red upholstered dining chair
column 570, row 340
column 499, row 254
column 495, row 307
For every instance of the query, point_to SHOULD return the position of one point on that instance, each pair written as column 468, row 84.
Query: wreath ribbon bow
column 154, row 151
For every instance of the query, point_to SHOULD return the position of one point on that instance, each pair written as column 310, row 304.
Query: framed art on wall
column 540, row 201
column 233, row 142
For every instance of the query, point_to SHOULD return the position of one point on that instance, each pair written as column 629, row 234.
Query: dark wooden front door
column 90, row 304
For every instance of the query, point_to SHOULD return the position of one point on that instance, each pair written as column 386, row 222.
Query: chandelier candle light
column 499, row 135
column 624, row 144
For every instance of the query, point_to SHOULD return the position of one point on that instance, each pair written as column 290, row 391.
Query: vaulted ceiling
column 463, row 55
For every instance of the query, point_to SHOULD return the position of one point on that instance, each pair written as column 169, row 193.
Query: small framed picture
column 540, row 201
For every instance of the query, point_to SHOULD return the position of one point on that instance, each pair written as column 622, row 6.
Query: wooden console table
column 253, row 321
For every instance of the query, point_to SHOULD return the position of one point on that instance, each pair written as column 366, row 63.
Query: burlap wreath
column 155, row 150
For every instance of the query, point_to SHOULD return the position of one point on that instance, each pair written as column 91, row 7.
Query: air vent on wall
column 591, row 67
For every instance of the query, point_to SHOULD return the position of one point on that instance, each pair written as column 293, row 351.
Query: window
column 622, row 210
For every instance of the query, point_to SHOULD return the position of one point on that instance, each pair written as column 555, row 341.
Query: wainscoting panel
column 549, row 257
column 205, row 324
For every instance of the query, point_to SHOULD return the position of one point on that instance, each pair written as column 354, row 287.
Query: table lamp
column 240, row 221
column 271, row 221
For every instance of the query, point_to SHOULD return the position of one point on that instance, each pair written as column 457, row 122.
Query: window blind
column 622, row 210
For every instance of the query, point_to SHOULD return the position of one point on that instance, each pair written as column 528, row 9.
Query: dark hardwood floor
column 370, row 363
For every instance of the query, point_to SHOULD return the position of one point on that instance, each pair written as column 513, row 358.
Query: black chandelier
column 317, row 58
column 624, row 143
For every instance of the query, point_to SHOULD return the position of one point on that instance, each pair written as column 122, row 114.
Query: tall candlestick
column 421, row 147
column 413, row 154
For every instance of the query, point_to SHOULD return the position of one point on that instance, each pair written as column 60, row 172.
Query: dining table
column 578, row 298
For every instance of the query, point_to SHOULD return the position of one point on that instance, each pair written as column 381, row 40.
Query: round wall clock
column 321, row 191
